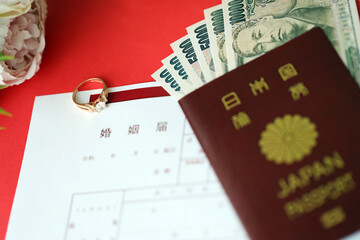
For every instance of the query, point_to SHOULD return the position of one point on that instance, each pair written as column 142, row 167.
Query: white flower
column 14, row 8
column 24, row 41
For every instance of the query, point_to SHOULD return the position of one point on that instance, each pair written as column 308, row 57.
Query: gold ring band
column 97, row 105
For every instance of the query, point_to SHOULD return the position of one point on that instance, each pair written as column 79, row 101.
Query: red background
column 119, row 41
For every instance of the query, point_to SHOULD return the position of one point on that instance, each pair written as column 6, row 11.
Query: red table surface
column 119, row 41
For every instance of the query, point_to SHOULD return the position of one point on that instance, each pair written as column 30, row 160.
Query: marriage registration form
column 135, row 171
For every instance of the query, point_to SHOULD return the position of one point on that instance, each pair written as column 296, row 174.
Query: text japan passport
column 282, row 134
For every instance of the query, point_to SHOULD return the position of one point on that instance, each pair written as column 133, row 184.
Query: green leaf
column 3, row 112
column 5, row 57
column 3, row 86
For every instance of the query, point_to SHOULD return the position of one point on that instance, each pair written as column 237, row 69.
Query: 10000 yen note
column 168, row 82
column 237, row 12
column 199, row 36
column 348, row 30
column 174, row 66
column 184, row 50
column 214, row 19
column 234, row 14
column 258, row 26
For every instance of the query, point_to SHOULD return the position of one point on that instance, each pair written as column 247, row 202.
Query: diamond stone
column 100, row 106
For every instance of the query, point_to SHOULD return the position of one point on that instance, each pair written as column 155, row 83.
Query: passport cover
column 281, row 133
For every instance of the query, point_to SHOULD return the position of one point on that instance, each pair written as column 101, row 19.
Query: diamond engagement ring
column 99, row 104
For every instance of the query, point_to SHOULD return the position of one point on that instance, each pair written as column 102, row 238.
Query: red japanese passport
column 282, row 134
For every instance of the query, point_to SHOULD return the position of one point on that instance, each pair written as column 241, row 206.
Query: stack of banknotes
column 238, row 31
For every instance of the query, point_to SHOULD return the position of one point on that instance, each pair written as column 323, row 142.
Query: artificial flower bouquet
column 22, row 40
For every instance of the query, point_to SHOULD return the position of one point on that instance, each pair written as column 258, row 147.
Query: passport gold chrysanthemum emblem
column 288, row 139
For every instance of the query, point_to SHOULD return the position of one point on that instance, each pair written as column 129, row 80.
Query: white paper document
column 134, row 171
